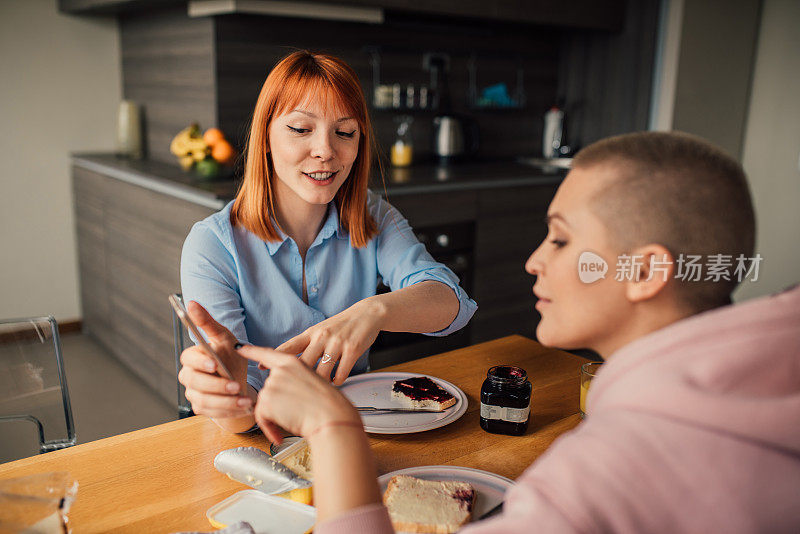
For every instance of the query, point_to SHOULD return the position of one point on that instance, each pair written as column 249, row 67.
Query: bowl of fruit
column 207, row 155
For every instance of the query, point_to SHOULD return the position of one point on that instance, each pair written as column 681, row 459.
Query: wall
column 771, row 154
column 59, row 93
column 168, row 69
column 715, row 63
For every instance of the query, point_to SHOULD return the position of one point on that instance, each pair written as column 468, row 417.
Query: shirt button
column 313, row 289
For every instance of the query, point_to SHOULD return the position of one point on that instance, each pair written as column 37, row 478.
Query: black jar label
column 504, row 413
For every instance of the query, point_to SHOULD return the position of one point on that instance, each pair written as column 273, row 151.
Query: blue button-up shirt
column 255, row 288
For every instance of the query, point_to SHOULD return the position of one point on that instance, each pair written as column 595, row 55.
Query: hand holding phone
column 183, row 315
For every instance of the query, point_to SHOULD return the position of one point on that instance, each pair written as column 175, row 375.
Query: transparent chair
column 181, row 340
column 35, row 409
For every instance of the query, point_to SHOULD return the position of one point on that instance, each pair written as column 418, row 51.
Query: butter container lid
column 265, row 513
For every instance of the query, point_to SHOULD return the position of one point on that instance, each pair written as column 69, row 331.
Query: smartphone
column 183, row 315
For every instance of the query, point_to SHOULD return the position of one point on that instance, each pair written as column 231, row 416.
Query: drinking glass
column 588, row 372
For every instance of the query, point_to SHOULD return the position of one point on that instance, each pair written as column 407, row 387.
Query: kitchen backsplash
column 210, row 70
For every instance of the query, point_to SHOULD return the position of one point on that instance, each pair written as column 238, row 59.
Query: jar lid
column 507, row 374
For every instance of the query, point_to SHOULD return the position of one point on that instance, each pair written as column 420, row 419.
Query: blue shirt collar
column 330, row 227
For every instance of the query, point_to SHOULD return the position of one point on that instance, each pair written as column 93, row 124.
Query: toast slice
column 420, row 392
column 428, row 506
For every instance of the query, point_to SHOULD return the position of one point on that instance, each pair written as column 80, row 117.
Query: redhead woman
column 294, row 261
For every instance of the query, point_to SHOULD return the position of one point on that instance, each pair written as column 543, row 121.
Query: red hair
column 297, row 78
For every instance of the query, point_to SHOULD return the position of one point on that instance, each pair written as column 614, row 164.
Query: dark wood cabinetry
column 509, row 225
column 594, row 14
column 129, row 246
column 107, row 7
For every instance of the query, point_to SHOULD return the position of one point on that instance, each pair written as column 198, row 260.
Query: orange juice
column 584, row 391
column 588, row 370
column 402, row 154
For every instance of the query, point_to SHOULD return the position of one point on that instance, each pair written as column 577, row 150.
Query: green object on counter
column 208, row 168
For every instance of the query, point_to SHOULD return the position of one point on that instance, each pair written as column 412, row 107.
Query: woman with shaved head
column 692, row 421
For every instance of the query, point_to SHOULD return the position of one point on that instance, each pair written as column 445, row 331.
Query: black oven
column 451, row 245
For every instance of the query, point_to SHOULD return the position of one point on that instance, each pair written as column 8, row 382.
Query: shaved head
column 678, row 191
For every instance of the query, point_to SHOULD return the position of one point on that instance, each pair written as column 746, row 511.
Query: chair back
column 35, row 408
column 181, row 340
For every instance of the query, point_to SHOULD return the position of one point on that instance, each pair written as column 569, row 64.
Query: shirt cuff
column 255, row 378
column 372, row 518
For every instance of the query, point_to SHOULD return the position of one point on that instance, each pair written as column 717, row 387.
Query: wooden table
column 162, row 479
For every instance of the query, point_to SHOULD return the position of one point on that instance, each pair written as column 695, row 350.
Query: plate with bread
column 440, row 498
column 426, row 402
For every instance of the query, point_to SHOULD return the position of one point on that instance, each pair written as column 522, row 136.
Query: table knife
column 257, row 469
column 373, row 409
column 494, row 511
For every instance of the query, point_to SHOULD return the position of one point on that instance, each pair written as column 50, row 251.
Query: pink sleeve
column 372, row 518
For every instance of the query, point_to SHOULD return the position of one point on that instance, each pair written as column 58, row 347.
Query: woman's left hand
column 342, row 338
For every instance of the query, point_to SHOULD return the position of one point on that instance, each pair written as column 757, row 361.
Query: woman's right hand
column 294, row 397
column 209, row 393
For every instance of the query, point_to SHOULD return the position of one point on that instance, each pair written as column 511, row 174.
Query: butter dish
column 265, row 514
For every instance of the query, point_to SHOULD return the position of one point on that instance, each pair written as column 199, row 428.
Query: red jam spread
column 465, row 497
column 421, row 388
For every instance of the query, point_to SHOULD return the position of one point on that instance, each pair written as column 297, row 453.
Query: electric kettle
column 448, row 138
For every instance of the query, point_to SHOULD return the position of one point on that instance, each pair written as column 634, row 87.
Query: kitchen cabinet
column 589, row 14
column 99, row 7
column 510, row 225
column 129, row 246
column 602, row 15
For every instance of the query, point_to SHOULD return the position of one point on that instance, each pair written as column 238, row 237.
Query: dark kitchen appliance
column 452, row 245
column 448, row 137
column 454, row 138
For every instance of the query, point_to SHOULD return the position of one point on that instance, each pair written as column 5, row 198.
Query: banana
column 196, row 144
column 186, row 162
column 178, row 144
column 189, row 143
column 198, row 155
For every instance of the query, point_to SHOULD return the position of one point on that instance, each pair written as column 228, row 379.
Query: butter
column 300, row 462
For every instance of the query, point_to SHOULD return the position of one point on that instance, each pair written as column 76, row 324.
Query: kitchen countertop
column 425, row 178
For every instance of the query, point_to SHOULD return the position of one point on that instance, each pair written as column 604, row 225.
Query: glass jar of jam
column 506, row 400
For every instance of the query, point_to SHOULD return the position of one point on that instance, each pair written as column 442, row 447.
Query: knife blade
column 257, row 469
column 496, row 510
column 373, row 409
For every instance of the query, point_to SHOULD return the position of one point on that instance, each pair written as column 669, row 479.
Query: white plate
column 490, row 488
column 375, row 389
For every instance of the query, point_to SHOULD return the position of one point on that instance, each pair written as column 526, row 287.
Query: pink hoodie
column 693, row 428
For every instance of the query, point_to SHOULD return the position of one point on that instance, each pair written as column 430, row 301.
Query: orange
column 223, row 151
column 213, row 136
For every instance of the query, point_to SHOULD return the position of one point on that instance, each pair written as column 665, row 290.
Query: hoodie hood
column 733, row 370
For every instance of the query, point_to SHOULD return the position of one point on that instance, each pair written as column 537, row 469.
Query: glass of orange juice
column 588, row 371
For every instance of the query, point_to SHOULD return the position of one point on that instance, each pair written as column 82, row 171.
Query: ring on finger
column 326, row 358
